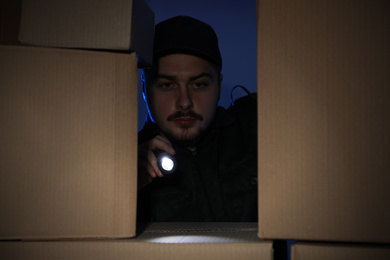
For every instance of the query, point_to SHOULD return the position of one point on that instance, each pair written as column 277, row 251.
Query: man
column 215, row 148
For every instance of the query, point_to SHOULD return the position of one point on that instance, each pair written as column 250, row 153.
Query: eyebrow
column 204, row 74
column 201, row 76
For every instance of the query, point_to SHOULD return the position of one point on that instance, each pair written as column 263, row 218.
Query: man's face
column 183, row 96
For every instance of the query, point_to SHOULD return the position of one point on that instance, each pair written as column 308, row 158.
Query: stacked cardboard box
column 324, row 123
column 338, row 251
column 68, row 135
column 68, row 140
column 190, row 241
column 120, row 25
column 68, row 154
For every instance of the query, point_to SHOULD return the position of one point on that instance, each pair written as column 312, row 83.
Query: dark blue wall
column 235, row 25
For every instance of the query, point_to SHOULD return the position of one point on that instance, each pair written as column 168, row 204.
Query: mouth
column 188, row 119
column 185, row 121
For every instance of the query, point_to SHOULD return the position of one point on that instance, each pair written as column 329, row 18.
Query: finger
column 153, row 169
column 162, row 143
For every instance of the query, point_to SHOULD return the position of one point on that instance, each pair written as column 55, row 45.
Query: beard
column 185, row 135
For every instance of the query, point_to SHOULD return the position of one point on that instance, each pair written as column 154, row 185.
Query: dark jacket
column 218, row 182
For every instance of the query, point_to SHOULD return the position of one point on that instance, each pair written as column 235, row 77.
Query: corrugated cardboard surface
column 164, row 241
column 324, row 112
column 307, row 251
column 68, row 143
column 201, row 232
column 129, row 249
column 89, row 24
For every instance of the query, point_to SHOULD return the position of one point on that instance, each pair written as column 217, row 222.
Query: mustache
column 179, row 114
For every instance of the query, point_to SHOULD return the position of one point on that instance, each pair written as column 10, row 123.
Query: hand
column 147, row 162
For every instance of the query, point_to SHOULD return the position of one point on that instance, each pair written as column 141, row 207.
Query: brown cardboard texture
column 307, row 251
column 89, row 24
column 200, row 232
column 68, row 143
column 324, row 120
column 191, row 242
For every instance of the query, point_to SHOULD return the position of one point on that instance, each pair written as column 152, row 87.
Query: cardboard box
column 68, row 153
column 306, row 251
column 200, row 232
column 10, row 11
column 160, row 241
column 324, row 120
column 90, row 24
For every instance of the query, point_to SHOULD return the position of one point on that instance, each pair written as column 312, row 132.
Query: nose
column 184, row 100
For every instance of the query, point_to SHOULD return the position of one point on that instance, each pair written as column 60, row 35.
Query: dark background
column 235, row 24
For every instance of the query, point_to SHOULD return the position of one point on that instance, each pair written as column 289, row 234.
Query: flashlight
column 166, row 162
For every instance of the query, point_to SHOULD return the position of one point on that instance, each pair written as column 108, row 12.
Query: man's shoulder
column 244, row 110
column 245, row 106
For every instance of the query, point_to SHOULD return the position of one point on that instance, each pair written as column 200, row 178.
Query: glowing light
column 165, row 161
column 167, row 164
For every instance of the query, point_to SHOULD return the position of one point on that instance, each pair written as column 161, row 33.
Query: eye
column 165, row 85
column 199, row 85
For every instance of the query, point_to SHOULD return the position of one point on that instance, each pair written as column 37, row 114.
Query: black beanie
column 183, row 34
